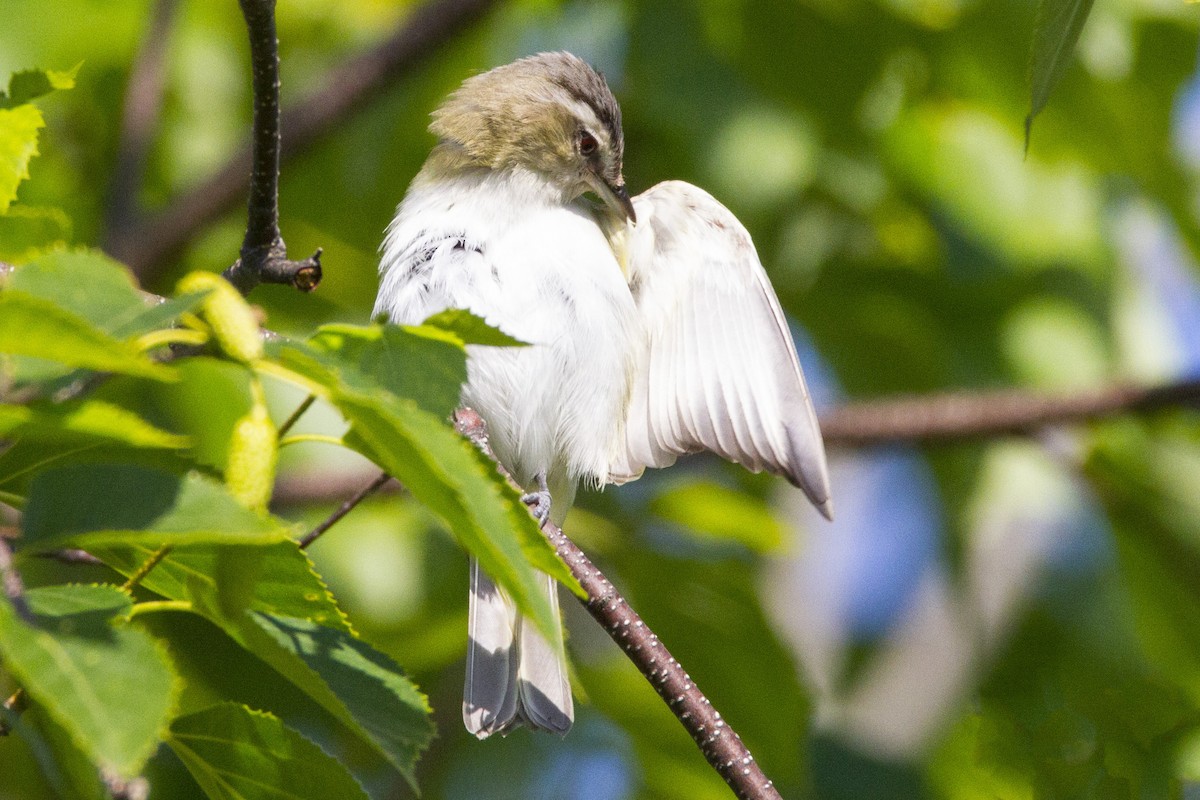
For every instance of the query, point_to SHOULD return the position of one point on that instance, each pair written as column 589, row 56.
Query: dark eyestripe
column 588, row 86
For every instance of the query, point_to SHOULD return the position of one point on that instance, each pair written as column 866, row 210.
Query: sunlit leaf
column 31, row 326
column 235, row 753
column 448, row 475
column 83, row 422
column 76, row 661
column 18, row 145
column 429, row 370
column 292, row 624
column 467, row 327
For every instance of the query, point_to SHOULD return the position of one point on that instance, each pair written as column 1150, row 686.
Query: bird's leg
column 539, row 501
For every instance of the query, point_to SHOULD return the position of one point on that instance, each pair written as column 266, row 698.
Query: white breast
column 545, row 274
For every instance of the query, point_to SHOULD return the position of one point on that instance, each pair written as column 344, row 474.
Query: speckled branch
column 264, row 254
column 720, row 744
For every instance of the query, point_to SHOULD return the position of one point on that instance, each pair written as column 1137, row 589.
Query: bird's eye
column 587, row 143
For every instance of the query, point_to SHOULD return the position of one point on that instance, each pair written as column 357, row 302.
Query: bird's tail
column 514, row 674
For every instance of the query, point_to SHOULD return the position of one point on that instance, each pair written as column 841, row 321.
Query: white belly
column 547, row 277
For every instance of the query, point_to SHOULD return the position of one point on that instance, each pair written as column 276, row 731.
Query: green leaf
column 714, row 511
column 76, row 661
column 287, row 585
column 452, row 478
column 443, row 472
column 67, row 770
column 235, row 753
column 31, row 326
column 25, row 231
column 367, row 690
column 95, row 504
column 1059, row 23
column 86, row 283
column 83, row 422
column 430, row 370
column 18, row 145
column 468, row 328
column 293, row 625
column 31, row 84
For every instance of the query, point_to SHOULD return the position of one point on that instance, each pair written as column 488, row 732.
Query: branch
column 721, row 746
column 149, row 244
column 344, row 509
column 983, row 415
column 139, row 116
column 264, row 255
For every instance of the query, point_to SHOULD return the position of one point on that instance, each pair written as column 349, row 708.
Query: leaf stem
column 311, row 437
column 156, row 606
column 167, row 336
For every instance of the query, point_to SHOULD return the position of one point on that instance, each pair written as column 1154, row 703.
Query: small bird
column 653, row 330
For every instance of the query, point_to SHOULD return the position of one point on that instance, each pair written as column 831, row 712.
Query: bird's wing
column 719, row 371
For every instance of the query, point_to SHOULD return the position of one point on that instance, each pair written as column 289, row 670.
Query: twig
column 148, row 245
column 139, row 117
column 719, row 743
column 264, row 254
column 295, row 416
column 344, row 509
column 72, row 556
column 980, row 415
column 14, row 588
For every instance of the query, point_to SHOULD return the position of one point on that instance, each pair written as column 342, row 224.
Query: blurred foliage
column 876, row 151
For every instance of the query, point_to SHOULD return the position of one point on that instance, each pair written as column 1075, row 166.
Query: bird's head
column 550, row 113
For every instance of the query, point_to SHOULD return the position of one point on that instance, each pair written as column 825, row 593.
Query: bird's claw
column 539, row 501
column 539, row 505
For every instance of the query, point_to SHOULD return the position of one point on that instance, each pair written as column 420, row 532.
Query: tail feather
column 514, row 675
column 542, row 682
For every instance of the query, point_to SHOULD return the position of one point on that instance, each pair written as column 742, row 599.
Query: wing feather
column 719, row 371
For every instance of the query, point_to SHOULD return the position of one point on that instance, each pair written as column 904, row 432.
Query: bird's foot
column 539, row 501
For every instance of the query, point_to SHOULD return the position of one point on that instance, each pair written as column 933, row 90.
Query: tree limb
column 720, row 744
column 960, row 416
column 264, row 254
column 147, row 245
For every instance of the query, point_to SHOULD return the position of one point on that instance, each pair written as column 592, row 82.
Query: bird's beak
column 616, row 197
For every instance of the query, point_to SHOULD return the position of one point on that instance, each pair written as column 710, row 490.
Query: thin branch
column 295, row 416
column 344, row 509
column 720, row 744
column 139, row 118
column 148, row 245
column 14, row 588
column 264, row 254
column 982, row 415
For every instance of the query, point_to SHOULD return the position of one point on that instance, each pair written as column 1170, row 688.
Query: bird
column 652, row 331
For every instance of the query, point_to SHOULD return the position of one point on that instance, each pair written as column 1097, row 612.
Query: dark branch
column 344, row 509
column 264, row 254
column 721, row 746
column 983, row 415
column 148, row 245
column 139, row 117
